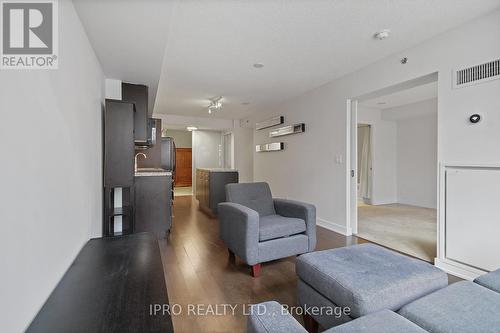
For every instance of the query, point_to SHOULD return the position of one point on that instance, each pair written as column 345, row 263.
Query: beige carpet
column 408, row 229
column 182, row 191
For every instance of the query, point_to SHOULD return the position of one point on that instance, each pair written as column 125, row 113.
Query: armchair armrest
column 301, row 210
column 272, row 317
column 239, row 229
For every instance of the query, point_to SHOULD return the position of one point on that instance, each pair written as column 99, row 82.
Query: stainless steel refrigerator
column 168, row 158
column 168, row 154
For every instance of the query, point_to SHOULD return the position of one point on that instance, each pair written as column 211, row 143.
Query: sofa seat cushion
column 490, row 280
column 384, row 321
column 368, row 278
column 276, row 226
column 461, row 307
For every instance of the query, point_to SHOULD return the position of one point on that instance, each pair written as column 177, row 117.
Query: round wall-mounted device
column 383, row 34
column 475, row 118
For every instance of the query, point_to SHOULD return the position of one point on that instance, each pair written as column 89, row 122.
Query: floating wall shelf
column 287, row 130
column 274, row 146
column 270, row 122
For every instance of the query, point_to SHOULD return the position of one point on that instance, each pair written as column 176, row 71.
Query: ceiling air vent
column 477, row 74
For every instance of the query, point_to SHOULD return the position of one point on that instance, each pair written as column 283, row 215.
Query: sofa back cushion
column 256, row 196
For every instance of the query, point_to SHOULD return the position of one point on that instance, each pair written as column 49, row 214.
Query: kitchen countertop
column 219, row 169
column 152, row 172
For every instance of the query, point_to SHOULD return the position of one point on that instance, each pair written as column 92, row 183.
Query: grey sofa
column 258, row 228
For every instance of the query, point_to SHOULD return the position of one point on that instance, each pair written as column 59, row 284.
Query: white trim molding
column 457, row 269
column 338, row 228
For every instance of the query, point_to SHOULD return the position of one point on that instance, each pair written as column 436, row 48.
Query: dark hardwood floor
column 198, row 270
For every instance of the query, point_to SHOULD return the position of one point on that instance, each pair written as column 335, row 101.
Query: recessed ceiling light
column 383, row 34
column 191, row 128
column 245, row 103
column 258, row 65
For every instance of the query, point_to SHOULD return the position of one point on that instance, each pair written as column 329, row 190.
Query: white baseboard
column 338, row 228
column 457, row 269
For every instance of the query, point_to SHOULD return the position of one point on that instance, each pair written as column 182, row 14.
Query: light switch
column 339, row 159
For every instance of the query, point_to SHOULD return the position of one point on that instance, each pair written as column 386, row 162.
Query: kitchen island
column 210, row 187
column 153, row 201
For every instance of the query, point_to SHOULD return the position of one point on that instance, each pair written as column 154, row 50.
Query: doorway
column 183, row 176
column 393, row 158
column 364, row 163
column 183, row 167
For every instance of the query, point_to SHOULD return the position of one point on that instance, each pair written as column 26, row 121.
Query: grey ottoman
column 365, row 278
column 384, row 321
column 490, row 280
column 271, row 317
column 459, row 308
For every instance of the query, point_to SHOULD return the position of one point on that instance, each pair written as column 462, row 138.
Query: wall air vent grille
column 477, row 74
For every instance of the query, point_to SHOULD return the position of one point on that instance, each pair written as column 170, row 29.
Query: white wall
column 113, row 89
column 307, row 169
column 384, row 148
column 243, row 153
column 207, row 151
column 182, row 139
column 51, row 171
column 416, row 152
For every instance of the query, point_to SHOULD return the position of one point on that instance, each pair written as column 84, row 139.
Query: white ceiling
column 212, row 44
column 129, row 38
column 403, row 97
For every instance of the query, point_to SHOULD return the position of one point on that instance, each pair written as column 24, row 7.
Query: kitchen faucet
column 135, row 158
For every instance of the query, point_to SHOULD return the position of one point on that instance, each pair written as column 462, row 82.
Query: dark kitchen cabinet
column 153, row 203
column 118, row 144
column 125, row 211
column 138, row 95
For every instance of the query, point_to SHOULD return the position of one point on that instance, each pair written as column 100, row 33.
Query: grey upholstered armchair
column 258, row 228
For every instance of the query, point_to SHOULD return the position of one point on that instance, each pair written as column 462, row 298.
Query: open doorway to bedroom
column 394, row 157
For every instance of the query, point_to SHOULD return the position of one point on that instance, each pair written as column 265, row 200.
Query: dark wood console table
column 109, row 288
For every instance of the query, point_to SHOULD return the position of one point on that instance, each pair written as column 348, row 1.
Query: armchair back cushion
column 256, row 196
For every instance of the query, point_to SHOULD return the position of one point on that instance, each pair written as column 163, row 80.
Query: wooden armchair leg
column 310, row 324
column 232, row 257
column 256, row 270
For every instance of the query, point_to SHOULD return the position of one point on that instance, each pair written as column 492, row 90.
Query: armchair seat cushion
column 276, row 226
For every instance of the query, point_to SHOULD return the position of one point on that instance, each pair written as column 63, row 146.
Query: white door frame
column 352, row 167
column 352, row 147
